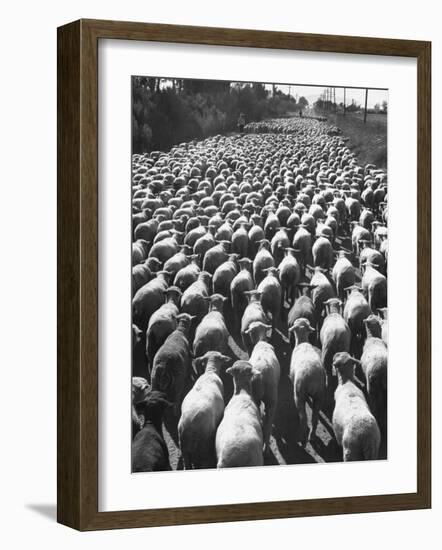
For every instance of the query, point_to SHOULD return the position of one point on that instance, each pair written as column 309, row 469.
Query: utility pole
column 365, row 110
column 345, row 90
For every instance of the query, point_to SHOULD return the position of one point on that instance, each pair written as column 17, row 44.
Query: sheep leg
column 371, row 450
column 300, row 406
column 340, row 291
column 270, row 409
column 355, row 344
column 292, row 295
column 316, row 407
column 329, row 380
column 187, row 462
column 302, row 265
column 376, row 399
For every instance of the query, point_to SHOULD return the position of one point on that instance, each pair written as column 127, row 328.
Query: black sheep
column 149, row 450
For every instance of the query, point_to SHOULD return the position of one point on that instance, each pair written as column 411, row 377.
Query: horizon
column 310, row 91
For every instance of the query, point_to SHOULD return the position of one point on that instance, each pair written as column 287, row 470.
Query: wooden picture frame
column 78, row 274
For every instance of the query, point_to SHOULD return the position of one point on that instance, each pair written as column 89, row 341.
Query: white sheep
column 201, row 412
column 253, row 312
column 212, row 334
column 374, row 362
column 289, row 275
column 375, row 285
column 322, row 291
column 355, row 311
column 308, row 377
column 271, row 294
column 239, row 438
column 355, row 428
column 262, row 261
column 343, row 274
column 322, row 251
column 162, row 323
column 335, row 334
column 265, row 387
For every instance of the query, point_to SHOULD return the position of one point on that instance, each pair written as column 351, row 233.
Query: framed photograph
column 244, row 267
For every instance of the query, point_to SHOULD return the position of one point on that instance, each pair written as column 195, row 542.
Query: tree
column 260, row 90
column 384, row 106
column 353, row 107
column 319, row 104
column 167, row 111
column 303, row 102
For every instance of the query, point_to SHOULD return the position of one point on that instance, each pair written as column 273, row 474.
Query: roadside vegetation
column 166, row 112
column 368, row 140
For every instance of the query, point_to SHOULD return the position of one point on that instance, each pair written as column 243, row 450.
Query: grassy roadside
column 369, row 140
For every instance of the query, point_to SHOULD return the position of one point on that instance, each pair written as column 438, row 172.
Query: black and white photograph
column 259, row 274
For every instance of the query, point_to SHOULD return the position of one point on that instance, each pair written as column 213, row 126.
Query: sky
column 311, row 93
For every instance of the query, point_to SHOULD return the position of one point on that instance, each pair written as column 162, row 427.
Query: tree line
column 322, row 104
column 168, row 111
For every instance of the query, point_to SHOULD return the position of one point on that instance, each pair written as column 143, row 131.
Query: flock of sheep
column 259, row 294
